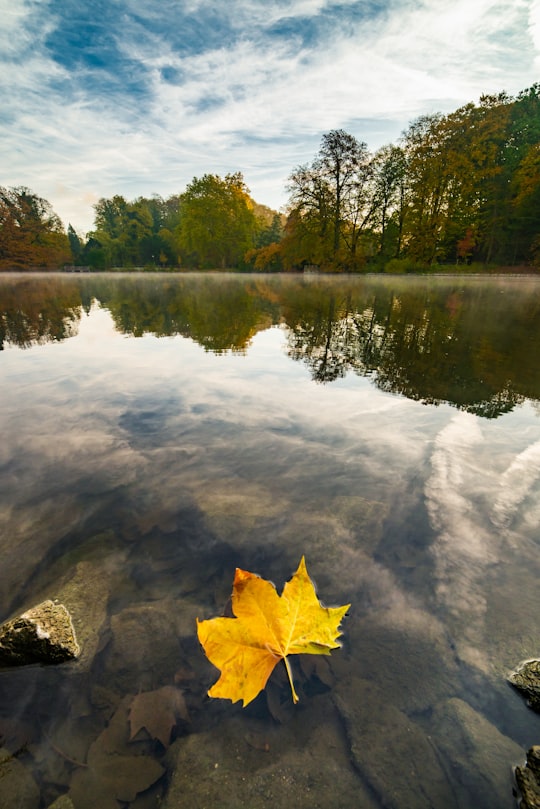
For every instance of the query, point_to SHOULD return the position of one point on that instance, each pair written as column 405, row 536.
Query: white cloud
column 516, row 484
column 476, row 497
column 534, row 29
column 462, row 549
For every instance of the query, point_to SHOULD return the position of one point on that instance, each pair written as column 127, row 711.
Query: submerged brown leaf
column 157, row 712
column 112, row 774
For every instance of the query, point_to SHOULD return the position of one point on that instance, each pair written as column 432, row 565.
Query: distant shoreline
column 440, row 272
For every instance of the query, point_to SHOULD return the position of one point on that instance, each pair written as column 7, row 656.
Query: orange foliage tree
column 31, row 234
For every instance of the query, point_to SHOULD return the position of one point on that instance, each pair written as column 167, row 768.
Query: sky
column 138, row 97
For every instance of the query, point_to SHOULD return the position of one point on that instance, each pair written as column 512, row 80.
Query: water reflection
column 36, row 311
column 137, row 473
column 470, row 342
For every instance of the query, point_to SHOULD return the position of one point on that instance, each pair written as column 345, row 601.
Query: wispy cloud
column 516, row 485
column 534, row 29
column 135, row 98
column 481, row 498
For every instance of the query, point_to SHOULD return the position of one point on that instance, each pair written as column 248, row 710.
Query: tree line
column 456, row 189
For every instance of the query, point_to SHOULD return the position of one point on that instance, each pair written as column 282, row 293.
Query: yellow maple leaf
column 267, row 628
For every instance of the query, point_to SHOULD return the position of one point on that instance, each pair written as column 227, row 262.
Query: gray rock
column 477, row 754
column 526, row 678
column 42, row 634
column 391, row 751
column 83, row 580
column 86, row 594
column 528, row 780
column 18, row 790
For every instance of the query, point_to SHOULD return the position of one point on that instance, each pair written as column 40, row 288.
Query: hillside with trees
column 456, row 190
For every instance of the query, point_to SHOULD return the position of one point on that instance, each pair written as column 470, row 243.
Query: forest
column 460, row 190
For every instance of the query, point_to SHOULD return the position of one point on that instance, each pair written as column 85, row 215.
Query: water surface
column 159, row 431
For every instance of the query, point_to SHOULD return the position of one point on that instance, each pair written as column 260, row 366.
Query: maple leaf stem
column 289, row 675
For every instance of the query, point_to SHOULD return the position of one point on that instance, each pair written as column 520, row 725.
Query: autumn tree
column 266, row 256
column 471, row 186
column 308, row 229
column 217, row 222
column 428, row 178
column 489, row 126
column 31, row 234
column 343, row 162
column 331, row 202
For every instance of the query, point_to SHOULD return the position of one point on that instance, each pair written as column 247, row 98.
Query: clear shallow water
column 160, row 431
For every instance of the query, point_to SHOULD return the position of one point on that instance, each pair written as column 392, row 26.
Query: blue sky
column 139, row 96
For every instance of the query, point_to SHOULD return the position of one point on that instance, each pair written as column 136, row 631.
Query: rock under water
column 43, row 634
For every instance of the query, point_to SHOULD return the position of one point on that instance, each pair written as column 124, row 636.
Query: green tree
column 75, row 244
column 217, row 223
column 136, row 233
column 110, row 216
column 524, row 176
column 389, row 167
column 158, row 244
column 109, row 224
column 270, row 227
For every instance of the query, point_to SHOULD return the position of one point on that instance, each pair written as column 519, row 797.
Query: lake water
column 159, row 431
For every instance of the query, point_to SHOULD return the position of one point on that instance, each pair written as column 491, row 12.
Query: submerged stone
column 528, row 780
column 144, row 646
column 18, row 788
column 43, row 634
column 393, row 754
column 526, row 679
column 476, row 753
column 252, row 762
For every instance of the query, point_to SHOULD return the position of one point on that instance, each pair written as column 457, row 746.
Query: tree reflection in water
column 470, row 342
